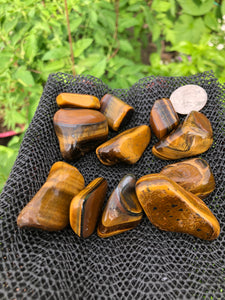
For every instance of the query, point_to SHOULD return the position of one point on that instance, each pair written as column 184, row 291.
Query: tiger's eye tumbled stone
column 194, row 175
column 170, row 207
column 193, row 137
column 126, row 147
column 122, row 211
column 49, row 208
column 163, row 118
column 116, row 111
column 79, row 131
column 86, row 207
column 70, row 100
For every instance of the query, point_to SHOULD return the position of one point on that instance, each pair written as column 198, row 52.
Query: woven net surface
column 144, row 263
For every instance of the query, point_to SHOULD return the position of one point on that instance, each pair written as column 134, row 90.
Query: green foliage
column 34, row 43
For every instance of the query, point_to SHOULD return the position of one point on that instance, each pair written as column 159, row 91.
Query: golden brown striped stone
column 122, row 211
column 170, row 207
column 126, row 147
column 86, row 206
column 193, row 137
column 79, row 131
column 116, row 111
column 194, row 175
column 70, row 100
column 49, row 208
column 163, row 118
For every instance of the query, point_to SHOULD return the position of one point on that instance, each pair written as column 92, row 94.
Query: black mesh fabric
column 143, row 263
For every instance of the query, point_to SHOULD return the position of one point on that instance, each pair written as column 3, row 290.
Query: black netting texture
column 143, row 263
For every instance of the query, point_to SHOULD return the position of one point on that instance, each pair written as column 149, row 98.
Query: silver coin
column 187, row 98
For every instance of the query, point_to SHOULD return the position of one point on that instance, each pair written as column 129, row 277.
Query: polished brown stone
column 163, row 118
column 194, row 175
column 126, row 147
column 79, row 131
column 193, row 137
column 170, row 207
column 70, row 100
column 116, row 111
column 86, row 207
column 49, row 208
column 122, row 211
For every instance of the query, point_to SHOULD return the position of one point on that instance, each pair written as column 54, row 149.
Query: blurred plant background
column 118, row 41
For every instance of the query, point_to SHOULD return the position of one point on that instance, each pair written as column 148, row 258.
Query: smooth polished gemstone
column 193, row 137
column 122, row 211
column 49, row 208
column 86, row 206
column 70, row 100
column 116, row 111
column 79, row 131
column 194, row 175
column 170, row 207
column 187, row 98
column 126, row 147
column 163, row 118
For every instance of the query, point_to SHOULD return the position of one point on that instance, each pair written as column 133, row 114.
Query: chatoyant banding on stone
column 170, row 207
column 122, row 211
column 86, row 207
column 70, row 100
column 126, row 147
column 194, row 175
column 49, row 208
column 79, row 131
column 117, row 112
column 163, row 118
column 193, row 137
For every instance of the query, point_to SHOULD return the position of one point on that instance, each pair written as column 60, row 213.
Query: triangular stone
column 122, row 211
column 126, row 147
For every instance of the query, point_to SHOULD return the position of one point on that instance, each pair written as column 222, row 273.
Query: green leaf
column 56, row 53
column 173, row 7
column 81, row 45
column 8, row 157
column 188, row 28
column 31, row 47
column 126, row 46
column 99, row 69
column 126, row 23
column 24, row 77
column 211, row 21
column 5, row 61
column 223, row 8
column 161, row 6
column 75, row 23
column 100, row 38
column 196, row 7
column 156, row 30
column 9, row 24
